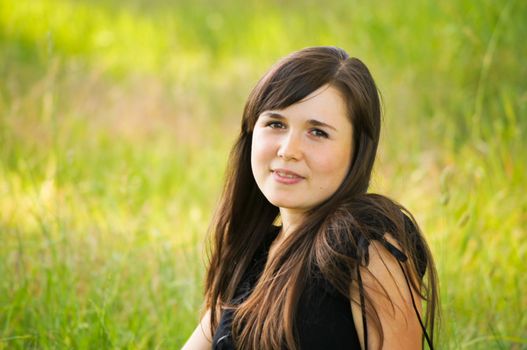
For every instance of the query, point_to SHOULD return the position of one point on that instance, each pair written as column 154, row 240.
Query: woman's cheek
column 331, row 161
column 262, row 145
column 259, row 153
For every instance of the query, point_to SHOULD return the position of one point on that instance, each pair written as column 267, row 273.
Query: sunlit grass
column 115, row 124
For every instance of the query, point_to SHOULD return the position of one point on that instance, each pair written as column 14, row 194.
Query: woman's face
column 301, row 154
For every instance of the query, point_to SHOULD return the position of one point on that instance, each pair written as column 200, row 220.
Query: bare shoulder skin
column 201, row 337
column 384, row 282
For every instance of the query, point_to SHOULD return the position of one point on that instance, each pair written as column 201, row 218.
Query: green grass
column 115, row 124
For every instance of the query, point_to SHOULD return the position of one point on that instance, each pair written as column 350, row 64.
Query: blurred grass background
column 116, row 119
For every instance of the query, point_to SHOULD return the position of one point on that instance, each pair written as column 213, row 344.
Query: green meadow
column 116, row 119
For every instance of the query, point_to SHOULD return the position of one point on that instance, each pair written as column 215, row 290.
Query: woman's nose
column 290, row 147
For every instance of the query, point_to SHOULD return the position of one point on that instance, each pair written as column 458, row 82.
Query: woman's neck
column 291, row 219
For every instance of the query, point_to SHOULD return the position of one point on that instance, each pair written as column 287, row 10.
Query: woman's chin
column 288, row 204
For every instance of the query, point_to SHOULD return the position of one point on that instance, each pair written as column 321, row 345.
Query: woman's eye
column 275, row 125
column 319, row 133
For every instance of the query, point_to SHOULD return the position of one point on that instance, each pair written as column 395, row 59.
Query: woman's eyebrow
column 312, row 122
column 318, row 123
column 272, row 114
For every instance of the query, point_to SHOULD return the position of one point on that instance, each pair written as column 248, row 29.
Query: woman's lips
column 287, row 177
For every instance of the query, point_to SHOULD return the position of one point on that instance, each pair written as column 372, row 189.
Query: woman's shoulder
column 353, row 226
column 372, row 215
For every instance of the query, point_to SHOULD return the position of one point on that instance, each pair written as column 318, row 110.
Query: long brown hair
column 332, row 235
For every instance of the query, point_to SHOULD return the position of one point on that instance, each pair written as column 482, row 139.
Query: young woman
column 303, row 257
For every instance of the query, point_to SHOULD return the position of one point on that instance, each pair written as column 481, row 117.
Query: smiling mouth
column 286, row 174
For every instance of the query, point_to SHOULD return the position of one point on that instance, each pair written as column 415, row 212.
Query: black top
column 324, row 318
